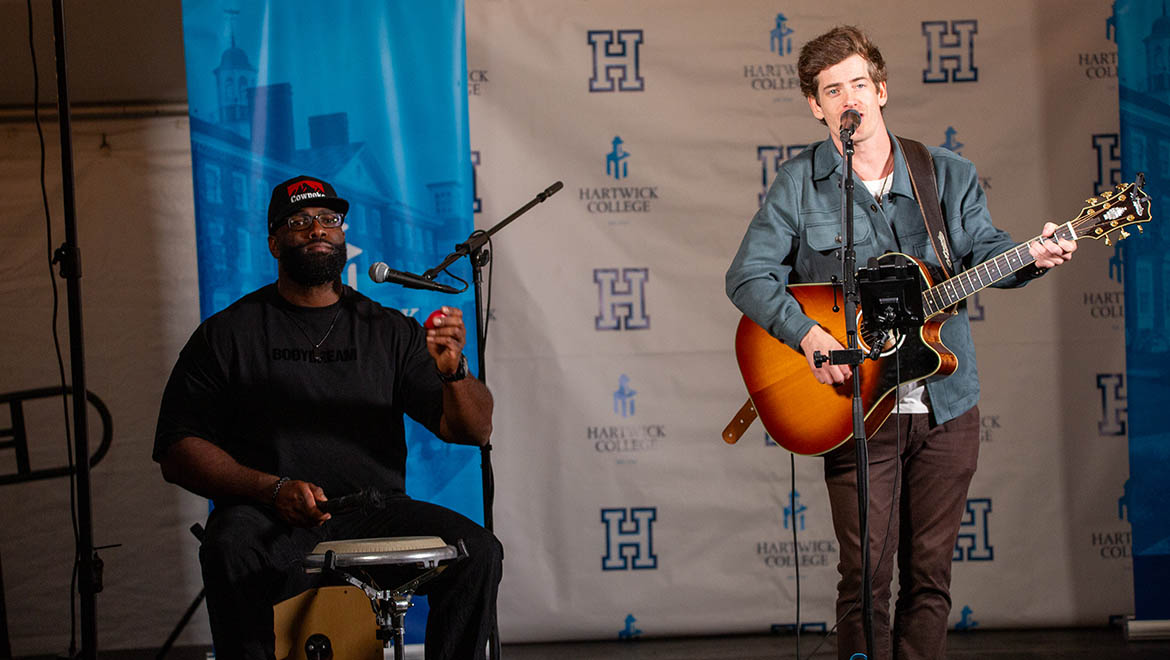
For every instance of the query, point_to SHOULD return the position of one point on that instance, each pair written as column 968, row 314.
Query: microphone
column 380, row 273
column 549, row 191
column 850, row 120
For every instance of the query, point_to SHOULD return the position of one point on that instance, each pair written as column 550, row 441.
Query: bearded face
column 315, row 262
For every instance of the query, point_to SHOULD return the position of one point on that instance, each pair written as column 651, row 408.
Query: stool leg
column 400, row 633
column 400, row 604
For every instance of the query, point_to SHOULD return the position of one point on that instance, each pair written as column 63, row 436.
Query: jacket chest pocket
column 819, row 259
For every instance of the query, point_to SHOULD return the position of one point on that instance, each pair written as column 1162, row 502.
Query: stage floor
column 1064, row 644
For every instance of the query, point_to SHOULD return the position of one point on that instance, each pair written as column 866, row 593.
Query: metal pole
column 69, row 256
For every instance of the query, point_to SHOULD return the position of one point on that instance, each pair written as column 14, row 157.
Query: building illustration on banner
column 249, row 146
column 626, row 442
column 781, row 37
column 965, row 620
column 974, row 542
column 617, row 60
column 951, row 143
column 950, row 51
column 1145, row 111
column 1117, row 543
column 630, row 632
column 623, row 397
column 773, row 76
column 629, row 539
column 1143, row 40
column 615, row 161
column 617, row 205
column 817, row 552
column 794, row 511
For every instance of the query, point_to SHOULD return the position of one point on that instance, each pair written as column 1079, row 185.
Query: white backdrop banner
column 611, row 346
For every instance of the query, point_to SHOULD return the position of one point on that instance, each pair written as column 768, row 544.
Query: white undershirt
column 909, row 396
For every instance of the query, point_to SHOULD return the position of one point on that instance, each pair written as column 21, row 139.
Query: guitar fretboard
column 971, row 281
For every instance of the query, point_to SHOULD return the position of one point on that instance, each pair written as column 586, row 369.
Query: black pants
column 252, row 560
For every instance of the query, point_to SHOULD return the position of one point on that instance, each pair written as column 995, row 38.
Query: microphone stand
column 473, row 249
column 853, row 356
column 68, row 256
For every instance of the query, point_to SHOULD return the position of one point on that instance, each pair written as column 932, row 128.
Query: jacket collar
column 828, row 161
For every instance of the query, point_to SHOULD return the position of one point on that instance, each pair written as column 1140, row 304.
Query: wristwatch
column 460, row 372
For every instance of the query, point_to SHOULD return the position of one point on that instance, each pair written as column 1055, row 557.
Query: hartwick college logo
column 629, row 539
column 617, row 61
column 950, row 51
column 621, row 298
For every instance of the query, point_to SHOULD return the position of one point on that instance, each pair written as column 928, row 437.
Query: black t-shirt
column 247, row 381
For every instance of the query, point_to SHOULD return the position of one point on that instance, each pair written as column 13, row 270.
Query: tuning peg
column 1091, row 200
column 1107, row 241
column 1124, row 234
column 1140, row 230
column 1107, row 194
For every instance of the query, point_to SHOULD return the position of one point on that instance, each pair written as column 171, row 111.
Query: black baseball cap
column 300, row 192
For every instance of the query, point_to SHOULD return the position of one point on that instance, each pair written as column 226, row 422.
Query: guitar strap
column 921, row 167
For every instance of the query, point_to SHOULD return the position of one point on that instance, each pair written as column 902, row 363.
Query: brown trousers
column 928, row 484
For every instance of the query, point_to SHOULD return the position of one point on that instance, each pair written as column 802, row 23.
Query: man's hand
column 817, row 339
column 296, row 503
column 446, row 340
column 1050, row 254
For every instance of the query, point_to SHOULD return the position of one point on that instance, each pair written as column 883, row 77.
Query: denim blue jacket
column 793, row 238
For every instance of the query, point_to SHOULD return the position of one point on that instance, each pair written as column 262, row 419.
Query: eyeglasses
column 303, row 221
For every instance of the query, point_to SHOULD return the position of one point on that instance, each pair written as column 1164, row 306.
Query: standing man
column 918, row 481
column 296, row 391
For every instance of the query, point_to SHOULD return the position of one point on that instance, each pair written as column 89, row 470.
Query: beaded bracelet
column 276, row 489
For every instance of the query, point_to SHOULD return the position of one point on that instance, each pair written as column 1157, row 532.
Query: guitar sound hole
column 869, row 337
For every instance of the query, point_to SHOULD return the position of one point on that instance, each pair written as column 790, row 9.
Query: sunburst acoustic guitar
column 809, row 418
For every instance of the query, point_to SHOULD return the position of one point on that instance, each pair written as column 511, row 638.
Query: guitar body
column 806, row 417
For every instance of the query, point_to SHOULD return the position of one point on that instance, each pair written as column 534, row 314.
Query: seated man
column 298, row 390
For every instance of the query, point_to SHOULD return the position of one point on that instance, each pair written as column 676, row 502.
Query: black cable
column 795, row 546
column 893, row 503
column 456, row 277
column 487, row 306
column 56, row 339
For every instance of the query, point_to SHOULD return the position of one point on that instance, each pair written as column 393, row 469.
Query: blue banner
column 1143, row 41
column 370, row 96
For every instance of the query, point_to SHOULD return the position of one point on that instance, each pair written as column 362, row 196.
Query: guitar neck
column 969, row 282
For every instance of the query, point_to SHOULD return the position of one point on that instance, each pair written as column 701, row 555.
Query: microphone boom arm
column 477, row 238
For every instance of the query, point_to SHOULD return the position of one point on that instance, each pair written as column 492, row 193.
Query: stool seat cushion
column 388, row 544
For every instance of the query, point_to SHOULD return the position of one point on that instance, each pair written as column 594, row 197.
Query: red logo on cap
column 306, row 186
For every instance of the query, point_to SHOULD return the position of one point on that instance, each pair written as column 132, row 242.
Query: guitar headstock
column 1113, row 211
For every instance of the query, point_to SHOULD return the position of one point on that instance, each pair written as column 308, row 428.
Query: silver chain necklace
column 315, row 354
